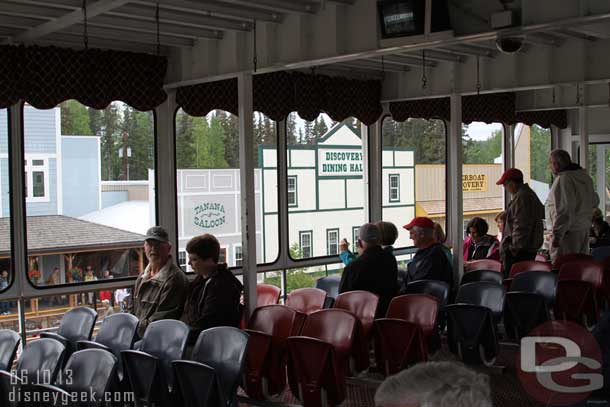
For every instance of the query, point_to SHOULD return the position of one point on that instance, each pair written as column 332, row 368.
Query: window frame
column 238, row 260
column 29, row 168
column 355, row 230
column 397, row 188
column 328, row 242
column 305, row 233
column 296, row 188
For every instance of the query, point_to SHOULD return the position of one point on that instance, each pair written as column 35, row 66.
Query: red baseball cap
column 510, row 174
column 420, row 221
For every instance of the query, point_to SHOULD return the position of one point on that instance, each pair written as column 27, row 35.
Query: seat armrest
column 80, row 345
column 56, row 336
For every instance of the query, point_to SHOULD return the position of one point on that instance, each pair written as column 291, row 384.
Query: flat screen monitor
column 402, row 18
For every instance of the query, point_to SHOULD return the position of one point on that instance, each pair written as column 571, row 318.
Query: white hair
column 435, row 384
column 561, row 157
column 425, row 232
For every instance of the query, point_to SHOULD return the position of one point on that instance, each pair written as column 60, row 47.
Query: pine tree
column 74, row 118
column 185, row 151
column 291, row 130
column 309, row 136
column 139, row 129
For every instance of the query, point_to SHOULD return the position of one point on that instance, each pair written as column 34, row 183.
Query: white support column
column 18, row 211
column 246, row 175
column 282, row 190
column 601, row 176
column 372, row 158
column 454, row 186
column 555, row 137
column 508, row 155
column 165, row 168
column 583, row 135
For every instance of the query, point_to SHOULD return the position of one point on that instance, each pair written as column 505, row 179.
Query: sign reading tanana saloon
column 338, row 162
column 209, row 215
column 474, row 182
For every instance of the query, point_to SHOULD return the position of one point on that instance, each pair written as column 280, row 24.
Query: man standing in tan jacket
column 523, row 230
column 569, row 206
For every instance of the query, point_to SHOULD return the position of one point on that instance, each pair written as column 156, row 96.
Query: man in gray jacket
column 569, row 206
column 523, row 230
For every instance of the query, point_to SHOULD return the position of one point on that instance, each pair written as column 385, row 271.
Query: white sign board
column 339, row 162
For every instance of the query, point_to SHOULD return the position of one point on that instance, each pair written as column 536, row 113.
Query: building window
column 394, row 187
column 355, row 230
column 305, row 239
column 37, row 179
column 332, row 242
column 222, row 256
column 292, row 190
column 182, row 260
column 238, row 257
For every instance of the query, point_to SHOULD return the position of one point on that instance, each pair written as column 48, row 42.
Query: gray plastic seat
column 483, row 293
column 76, row 325
column 330, row 284
column 223, row 349
column 435, row 288
column 9, row 342
column 482, row 275
column 543, row 283
column 149, row 369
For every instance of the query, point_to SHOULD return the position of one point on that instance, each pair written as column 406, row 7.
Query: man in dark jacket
column 523, row 229
column 374, row 270
column 214, row 295
column 430, row 261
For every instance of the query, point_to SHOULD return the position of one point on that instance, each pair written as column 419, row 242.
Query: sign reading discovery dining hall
column 339, row 162
column 209, row 215
column 474, row 182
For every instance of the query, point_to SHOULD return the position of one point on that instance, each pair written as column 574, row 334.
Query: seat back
column 41, row 355
column 600, row 253
column 483, row 264
column 224, row 349
column 77, row 324
column 482, row 275
column 89, row 370
column 334, row 326
column 583, row 270
column 363, row 304
column 523, row 312
column 435, row 288
column 330, row 284
column 471, row 333
column 166, row 340
column 267, row 294
column 274, row 320
column 420, row 309
column 483, row 293
column 306, row 300
column 529, row 265
column 118, row 332
column 9, row 342
column 197, row 383
column 536, row 282
column 566, row 258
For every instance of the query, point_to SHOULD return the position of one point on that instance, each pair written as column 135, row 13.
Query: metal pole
column 454, row 185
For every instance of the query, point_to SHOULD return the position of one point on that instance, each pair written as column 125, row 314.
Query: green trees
column 540, row 147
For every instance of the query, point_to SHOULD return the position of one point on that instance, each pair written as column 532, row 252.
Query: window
column 237, row 257
column 394, row 187
column 36, row 179
column 355, row 230
column 182, row 262
column 6, row 272
column 332, row 242
column 105, row 202
column 532, row 150
column 305, row 244
column 413, row 173
column 292, row 190
column 208, row 181
column 326, row 158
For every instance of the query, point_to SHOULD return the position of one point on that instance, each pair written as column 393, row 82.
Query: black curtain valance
column 280, row 93
column 47, row 76
column 488, row 108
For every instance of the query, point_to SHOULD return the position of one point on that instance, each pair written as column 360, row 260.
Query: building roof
column 471, row 205
column 133, row 216
column 63, row 234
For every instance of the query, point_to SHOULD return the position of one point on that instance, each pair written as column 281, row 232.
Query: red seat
column 306, row 300
column 529, row 265
column 267, row 294
column 578, row 289
column 318, row 360
column 483, row 264
column 401, row 337
column 566, row 258
column 363, row 304
column 541, row 257
column 265, row 370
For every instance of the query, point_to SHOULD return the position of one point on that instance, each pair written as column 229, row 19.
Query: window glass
column 332, row 241
column 325, row 157
column 483, row 166
column 599, row 170
column 6, row 271
column 183, row 260
column 238, row 256
column 414, row 184
column 89, row 205
column 532, row 150
column 292, row 190
column 208, row 181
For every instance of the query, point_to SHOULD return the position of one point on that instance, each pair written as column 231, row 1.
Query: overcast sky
column 482, row 131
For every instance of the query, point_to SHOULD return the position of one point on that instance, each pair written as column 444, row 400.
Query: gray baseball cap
column 157, row 233
column 369, row 233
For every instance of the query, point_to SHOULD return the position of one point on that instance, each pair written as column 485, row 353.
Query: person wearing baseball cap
column 160, row 290
column 430, row 261
column 374, row 270
column 523, row 231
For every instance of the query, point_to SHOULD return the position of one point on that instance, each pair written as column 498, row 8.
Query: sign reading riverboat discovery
column 474, row 182
column 209, row 215
column 339, row 162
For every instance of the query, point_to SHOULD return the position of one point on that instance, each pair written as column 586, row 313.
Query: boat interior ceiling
column 561, row 57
